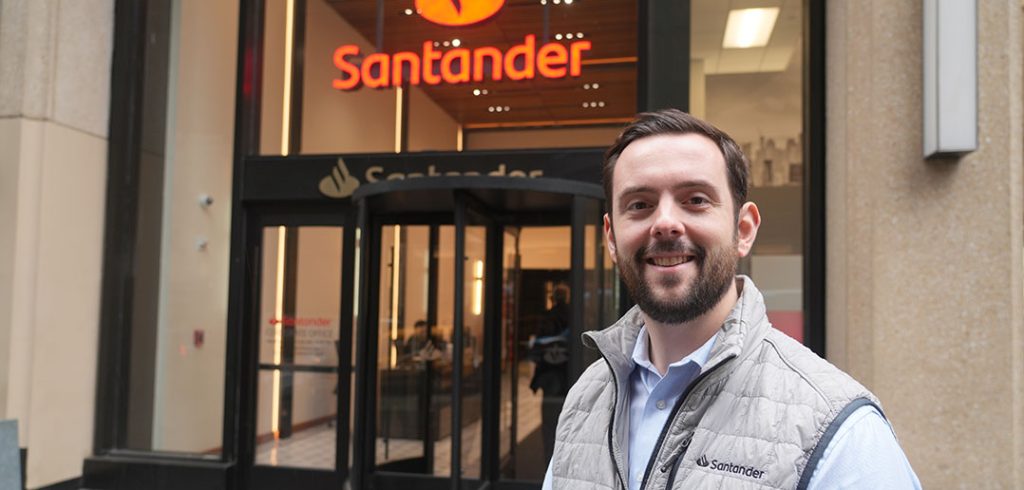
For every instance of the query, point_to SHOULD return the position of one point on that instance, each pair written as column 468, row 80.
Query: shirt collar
column 641, row 354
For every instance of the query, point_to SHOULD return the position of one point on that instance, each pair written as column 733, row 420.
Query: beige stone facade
column 924, row 257
column 54, row 101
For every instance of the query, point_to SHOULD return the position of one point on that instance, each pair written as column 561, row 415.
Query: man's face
column 672, row 229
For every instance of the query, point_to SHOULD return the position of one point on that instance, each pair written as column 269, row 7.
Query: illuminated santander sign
column 523, row 61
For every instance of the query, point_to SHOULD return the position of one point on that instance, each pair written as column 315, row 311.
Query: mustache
column 668, row 247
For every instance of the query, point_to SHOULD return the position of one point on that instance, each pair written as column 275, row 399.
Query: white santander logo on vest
column 729, row 467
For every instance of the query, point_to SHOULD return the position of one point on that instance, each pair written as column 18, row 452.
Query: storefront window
column 386, row 77
column 751, row 86
column 180, row 278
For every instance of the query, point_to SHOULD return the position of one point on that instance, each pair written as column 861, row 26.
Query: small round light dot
column 586, row 104
column 484, row 91
column 506, row 108
column 543, row 2
column 568, row 2
column 436, row 44
column 568, row 36
column 490, row 109
column 557, row 2
column 595, row 86
column 456, row 42
column 601, row 104
column 446, row 44
column 476, row 91
column 408, row 11
column 579, row 35
column 586, row 86
column 558, row 37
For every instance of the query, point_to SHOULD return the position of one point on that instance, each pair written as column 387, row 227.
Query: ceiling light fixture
column 749, row 28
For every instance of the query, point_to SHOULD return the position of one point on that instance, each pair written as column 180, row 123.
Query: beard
column 715, row 269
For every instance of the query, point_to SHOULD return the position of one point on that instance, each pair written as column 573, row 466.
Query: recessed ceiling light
column 601, row 104
column 579, row 35
column 456, row 42
column 558, row 37
column 749, row 28
column 408, row 11
column 595, row 86
column 476, row 91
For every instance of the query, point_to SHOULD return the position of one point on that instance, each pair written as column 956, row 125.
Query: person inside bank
column 420, row 346
column 549, row 351
column 695, row 388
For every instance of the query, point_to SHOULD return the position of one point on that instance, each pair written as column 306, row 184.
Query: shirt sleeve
column 864, row 453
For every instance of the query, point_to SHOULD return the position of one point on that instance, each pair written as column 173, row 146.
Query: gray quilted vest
column 759, row 415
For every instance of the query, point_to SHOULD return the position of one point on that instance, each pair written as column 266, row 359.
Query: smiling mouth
column 670, row 261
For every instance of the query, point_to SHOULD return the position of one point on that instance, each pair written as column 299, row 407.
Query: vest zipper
column 674, row 463
column 611, row 425
column 672, row 417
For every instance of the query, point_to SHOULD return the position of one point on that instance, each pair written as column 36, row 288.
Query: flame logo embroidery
column 339, row 184
column 458, row 12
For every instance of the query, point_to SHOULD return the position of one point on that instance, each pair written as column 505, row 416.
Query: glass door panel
column 473, row 315
column 536, row 322
column 413, row 351
column 300, row 304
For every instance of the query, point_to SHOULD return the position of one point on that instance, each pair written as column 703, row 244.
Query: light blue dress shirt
column 862, row 454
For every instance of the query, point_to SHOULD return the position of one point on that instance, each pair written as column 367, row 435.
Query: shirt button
column 660, row 404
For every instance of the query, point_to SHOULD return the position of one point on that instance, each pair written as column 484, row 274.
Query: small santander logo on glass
column 458, row 12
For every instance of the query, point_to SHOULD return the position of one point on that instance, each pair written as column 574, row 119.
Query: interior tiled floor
column 314, row 447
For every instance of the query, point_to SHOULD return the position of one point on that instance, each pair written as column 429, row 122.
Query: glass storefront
column 325, row 301
column 752, row 87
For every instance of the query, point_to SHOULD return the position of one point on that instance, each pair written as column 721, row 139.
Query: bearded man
column 696, row 389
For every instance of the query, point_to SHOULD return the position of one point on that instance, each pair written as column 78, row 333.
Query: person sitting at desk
column 420, row 346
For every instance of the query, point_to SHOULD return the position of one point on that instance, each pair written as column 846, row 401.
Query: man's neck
column 670, row 342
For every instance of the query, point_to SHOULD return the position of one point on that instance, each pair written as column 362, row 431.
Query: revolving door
column 473, row 295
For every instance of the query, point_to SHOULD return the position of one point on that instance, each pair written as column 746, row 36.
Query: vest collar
column 745, row 326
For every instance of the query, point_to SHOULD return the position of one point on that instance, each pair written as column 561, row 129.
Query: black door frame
column 254, row 476
column 467, row 210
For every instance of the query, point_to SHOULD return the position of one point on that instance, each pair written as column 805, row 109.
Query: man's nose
column 668, row 221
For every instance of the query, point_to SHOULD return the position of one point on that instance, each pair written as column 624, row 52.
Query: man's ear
column 609, row 238
column 747, row 223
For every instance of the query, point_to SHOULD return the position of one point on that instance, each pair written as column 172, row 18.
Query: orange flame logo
column 458, row 12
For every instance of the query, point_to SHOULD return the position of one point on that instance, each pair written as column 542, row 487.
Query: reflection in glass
column 300, row 300
column 535, row 323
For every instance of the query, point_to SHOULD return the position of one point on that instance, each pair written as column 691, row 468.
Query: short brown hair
column 674, row 121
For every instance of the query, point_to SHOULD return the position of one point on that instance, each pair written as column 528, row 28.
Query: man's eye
column 637, row 205
column 698, row 201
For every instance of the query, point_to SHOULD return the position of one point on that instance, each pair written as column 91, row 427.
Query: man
column 696, row 389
